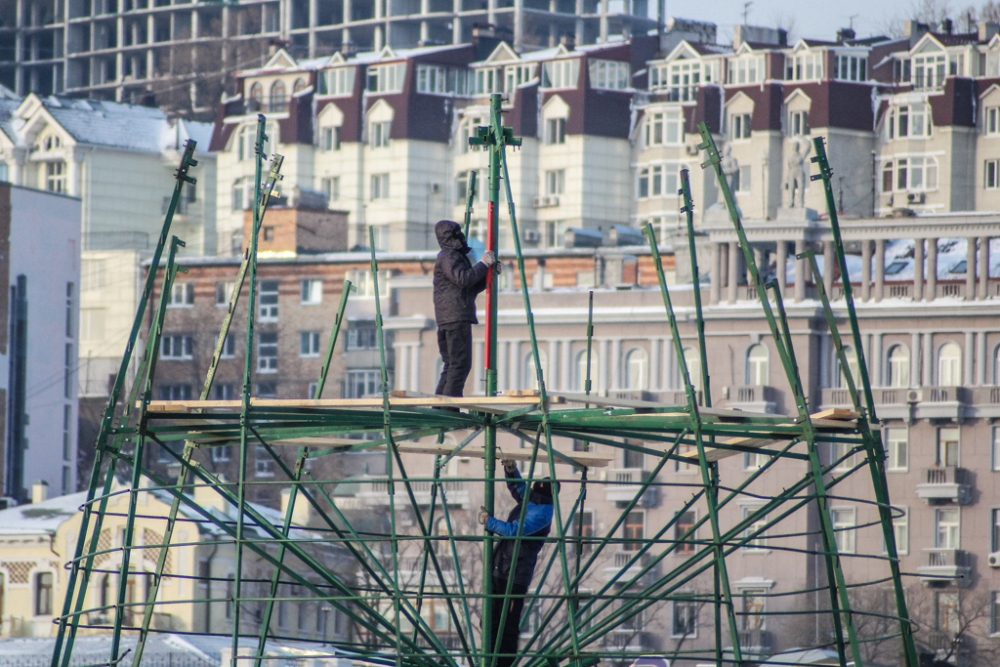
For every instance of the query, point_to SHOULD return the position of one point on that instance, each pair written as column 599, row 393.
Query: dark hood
column 450, row 237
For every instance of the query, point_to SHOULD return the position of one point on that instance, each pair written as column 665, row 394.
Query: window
column 850, row 68
column 55, row 176
column 312, row 291
column 692, row 359
column 91, row 274
column 991, row 121
column 337, row 82
column 485, row 81
column 852, row 368
column 433, row 79
column 330, row 138
column 70, row 329
column 331, row 188
column 991, row 174
column 529, row 380
column 995, row 530
column 555, row 182
column 69, row 364
column 517, row 75
column 685, row 618
column 901, row 529
column 928, row 71
column 897, row 442
column 804, row 67
column 267, row 301
column 364, row 282
column 946, row 611
column 223, row 392
column 263, row 464
column 266, row 390
column 360, row 384
column 753, row 609
column 267, row 352
column 633, row 460
column 754, row 534
column 555, row 131
column 362, row 336
column 684, row 80
column 181, row 295
column 633, row 531
column 175, row 392
column 687, row 451
column 609, row 74
column 222, row 453
column 643, row 183
column 242, row 195
column 256, row 97
column 947, row 528
column 840, row 454
column 67, row 429
column 228, row 345
column 685, row 522
column 746, row 70
column 994, row 612
column 950, row 365
column 910, row 121
column 379, row 188
column 43, row 594
column 739, row 126
column 636, row 369
column 947, row 447
column 665, row 128
column 758, row 365
column 379, row 134
column 582, row 527
column 223, row 292
column 386, row 78
column 798, row 123
column 308, row 343
column 561, row 73
column 277, row 101
column 741, row 179
column 843, row 520
column 898, row 367
column 177, row 346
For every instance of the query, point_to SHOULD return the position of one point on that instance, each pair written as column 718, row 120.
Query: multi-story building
column 182, row 54
column 40, row 280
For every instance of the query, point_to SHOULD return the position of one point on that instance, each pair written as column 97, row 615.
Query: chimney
column 986, row 30
column 845, row 35
column 348, row 49
column 539, row 282
column 947, row 26
column 914, row 30
column 39, row 491
column 568, row 41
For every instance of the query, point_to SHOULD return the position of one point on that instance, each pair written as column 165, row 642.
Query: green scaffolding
column 567, row 617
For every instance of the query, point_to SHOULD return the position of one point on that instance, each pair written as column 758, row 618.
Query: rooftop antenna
column 850, row 20
column 746, row 10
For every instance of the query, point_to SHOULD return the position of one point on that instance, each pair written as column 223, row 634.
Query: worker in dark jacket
column 537, row 524
column 457, row 282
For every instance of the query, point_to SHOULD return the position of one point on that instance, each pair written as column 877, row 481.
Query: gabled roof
column 685, row 48
column 280, row 60
column 502, row 53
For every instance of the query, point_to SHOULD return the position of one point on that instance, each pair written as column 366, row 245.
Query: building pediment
column 280, row 60
column 927, row 44
column 798, row 95
column 503, row 53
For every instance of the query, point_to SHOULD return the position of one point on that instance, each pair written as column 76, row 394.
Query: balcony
column 374, row 492
column 620, row 563
column 752, row 398
column 943, row 485
column 904, row 403
column 939, row 402
column 624, row 483
column 945, row 566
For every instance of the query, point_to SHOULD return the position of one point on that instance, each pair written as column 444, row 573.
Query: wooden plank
column 586, row 459
column 838, row 414
column 492, row 404
column 602, row 401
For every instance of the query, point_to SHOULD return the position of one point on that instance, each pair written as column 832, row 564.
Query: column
column 927, row 346
column 74, row 162
column 931, row 289
column 800, row 271
column 970, row 271
column 918, row 272
column 984, row 267
column 503, row 359
column 604, row 374
column 551, row 374
column 915, row 351
column 982, row 376
column 477, row 368
column 866, row 270
column 345, row 34
column 780, row 264
column 969, row 358
column 733, row 273
column 615, row 381
column 603, row 37
column 402, row 366
column 655, row 374
column 829, row 268
column 716, row 277
column 875, row 364
column 415, row 367
column 758, row 260
column 565, row 367
column 879, row 269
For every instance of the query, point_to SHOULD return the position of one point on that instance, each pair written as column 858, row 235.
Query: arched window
column 637, row 370
column 298, row 86
column 581, row 370
column 242, row 192
column 898, row 367
column 996, row 366
column 529, row 378
column 852, row 368
column 693, row 361
column 758, row 365
column 277, row 101
column 949, row 365
column 256, row 100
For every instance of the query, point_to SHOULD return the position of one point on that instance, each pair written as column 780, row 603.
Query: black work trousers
column 455, row 345
column 509, row 633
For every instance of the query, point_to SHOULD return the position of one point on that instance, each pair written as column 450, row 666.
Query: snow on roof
column 40, row 518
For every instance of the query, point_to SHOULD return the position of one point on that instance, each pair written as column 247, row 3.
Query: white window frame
column 798, row 124
column 176, row 347
column 897, row 440
column 311, row 292
column 330, row 186
column 267, row 363
column 380, row 134
column 739, row 126
column 561, row 74
column 181, row 295
column 309, row 344
column 844, row 521
column 555, row 182
column 692, row 608
column 609, row 74
column 385, row 79
column 337, row 82
column 329, row 137
column 947, row 530
column 228, row 345
column 995, row 462
column 371, row 377
column 378, row 187
column 555, row 131
column 991, row 174
column 760, row 542
column 263, row 464
column 267, row 309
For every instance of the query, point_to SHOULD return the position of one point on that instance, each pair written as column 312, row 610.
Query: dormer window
column 52, row 142
column 386, row 78
column 561, row 74
column 278, row 101
column 747, row 69
column 609, row 74
column 804, row 67
column 928, row 71
column 909, row 121
column 515, row 75
column 486, row 81
column 337, row 82
column 850, row 68
column 256, row 97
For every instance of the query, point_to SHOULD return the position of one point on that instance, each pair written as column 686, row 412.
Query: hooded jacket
column 537, row 524
column 456, row 280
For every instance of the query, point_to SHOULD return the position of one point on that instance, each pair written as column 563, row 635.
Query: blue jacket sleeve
column 536, row 518
column 517, row 488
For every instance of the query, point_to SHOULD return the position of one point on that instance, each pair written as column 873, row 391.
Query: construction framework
column 572, row 618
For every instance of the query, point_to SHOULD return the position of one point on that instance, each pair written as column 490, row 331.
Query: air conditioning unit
column 994, row 559
column 691, row 149
column 532, row 236
column 546, row 201
column 915, row 198
column 914, row 396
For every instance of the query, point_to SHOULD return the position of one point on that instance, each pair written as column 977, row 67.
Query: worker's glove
column 483, row 515
column 489, row 258
column 509, row 465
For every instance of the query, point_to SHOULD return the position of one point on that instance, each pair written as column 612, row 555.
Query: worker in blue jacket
column 537, row 524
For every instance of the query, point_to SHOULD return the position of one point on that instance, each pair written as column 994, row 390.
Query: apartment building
column 180, row 55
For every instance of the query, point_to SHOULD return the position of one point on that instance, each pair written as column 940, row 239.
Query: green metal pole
column 470, row 197
column 338, row 321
